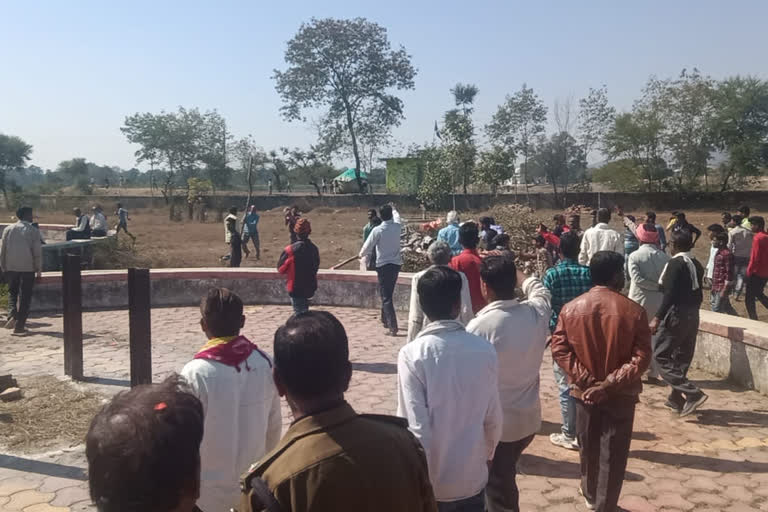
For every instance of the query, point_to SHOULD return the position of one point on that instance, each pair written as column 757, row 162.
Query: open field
column 337, row 233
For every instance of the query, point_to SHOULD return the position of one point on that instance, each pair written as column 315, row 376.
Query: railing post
column 73, row 316
column 140, row 326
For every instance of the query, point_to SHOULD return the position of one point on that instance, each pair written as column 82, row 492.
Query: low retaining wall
column 108, row 289
column 734, row 348
column 729, row 347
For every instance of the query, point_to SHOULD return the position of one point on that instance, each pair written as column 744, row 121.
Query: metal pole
column 73, row 316
column 140, row 326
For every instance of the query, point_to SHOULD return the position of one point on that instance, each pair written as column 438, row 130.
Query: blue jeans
column 567, row 409
column 473, row 504
column 721, row 303
column 300, row 304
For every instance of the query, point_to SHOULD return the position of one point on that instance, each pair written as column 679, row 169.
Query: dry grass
column 50, row 414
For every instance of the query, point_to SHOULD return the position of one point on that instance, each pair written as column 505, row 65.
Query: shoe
column 10, row 324
column 691, row 405
column 564, row 441
column 654, row 381
column 19, row 332
column 673, row 405
column 587, row 503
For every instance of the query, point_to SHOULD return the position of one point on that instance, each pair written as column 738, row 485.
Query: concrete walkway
column 715, row 460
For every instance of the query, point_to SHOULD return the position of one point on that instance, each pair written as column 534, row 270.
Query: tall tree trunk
column 355, row 149
column 525, row 178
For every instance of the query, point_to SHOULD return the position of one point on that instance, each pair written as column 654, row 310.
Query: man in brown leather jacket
column 603, row 343
column 332, row 458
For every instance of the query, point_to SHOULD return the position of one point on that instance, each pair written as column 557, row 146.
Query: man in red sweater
column 468, row 261
column 757, row 271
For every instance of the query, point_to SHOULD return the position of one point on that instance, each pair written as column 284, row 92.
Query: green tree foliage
column 436, row 187
column 459, row 148
column 740, row 129
column 623, row 174
column 560, row 159
column 310, row 166
column 519, row 121
column 14, row 154
column 496, row 166
column 595, row 119
column 688, row 110
column 348, row 67
column 76, row 171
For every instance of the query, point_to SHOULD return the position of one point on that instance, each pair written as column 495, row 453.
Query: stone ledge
column 744, row 330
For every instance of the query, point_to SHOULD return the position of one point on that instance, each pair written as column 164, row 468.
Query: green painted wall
column 404, row 175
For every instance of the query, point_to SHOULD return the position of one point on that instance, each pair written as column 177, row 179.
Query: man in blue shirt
column 251, row 231
column 566, row 281
column 385, row 239
column 450, row 233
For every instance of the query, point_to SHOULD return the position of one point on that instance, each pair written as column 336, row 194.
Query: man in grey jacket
column 21, row 260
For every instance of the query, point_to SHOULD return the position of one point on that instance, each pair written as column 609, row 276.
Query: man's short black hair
column 469, row 235
column 604, row 215
column 716, row 228
column 605, row 266
column 143, row 448
column 744, row 210
column 682, row 240
column 486, row 222
column 23, row 212
column 233, row 210
column 385, row 212
column 650, row 216
column 222, row 311
column 680, row 216
column 758, row 221
column 500, row 275
column 439, row 292
column 722, row 237
column 312, row 355
column 372, row 212
column 570, row 245
column 737, row 219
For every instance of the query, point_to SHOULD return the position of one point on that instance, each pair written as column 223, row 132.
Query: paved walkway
column 717, row 460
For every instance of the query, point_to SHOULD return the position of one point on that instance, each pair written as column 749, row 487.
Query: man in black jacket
column 300, row 261
column 676, row 324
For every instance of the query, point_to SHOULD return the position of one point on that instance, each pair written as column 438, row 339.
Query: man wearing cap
column 299, row 262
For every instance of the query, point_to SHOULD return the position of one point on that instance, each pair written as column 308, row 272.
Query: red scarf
column 231, row 353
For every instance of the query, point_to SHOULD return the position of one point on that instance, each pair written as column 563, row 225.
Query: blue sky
column 73, row 70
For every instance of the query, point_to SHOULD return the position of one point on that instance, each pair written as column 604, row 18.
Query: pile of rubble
column 579, row 209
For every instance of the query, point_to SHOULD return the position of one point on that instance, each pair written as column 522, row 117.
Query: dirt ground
column 337, row 233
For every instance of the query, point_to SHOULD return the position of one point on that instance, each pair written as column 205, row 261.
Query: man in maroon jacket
column 300, row 261
column 603, row 343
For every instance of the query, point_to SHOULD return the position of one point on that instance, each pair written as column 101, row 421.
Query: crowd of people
column 468, row 390
column 96, row 225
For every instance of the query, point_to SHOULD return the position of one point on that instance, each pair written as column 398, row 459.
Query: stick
column 335, row 267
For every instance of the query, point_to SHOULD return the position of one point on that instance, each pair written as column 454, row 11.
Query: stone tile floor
column 715, row 460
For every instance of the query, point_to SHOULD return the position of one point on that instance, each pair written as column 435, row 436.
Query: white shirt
column 98, row 222
column 386, row 239
column 396, row 216
column 417, row 320
column 242, row 423
column 518, row 331
column 600, row 238
column 448, row 392
column 645, row 267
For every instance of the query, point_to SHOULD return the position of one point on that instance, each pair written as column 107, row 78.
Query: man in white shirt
column 600, row 237
column 518, row 331
column 448, row 392
column 439, row 253
column 385, row 238
column 98, row 222
column 233, row 380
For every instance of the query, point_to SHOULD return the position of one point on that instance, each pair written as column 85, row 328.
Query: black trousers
column 20, row 286
column 605, row 433
column 387, row 275
column 673, row 349
column 501, row 493
column 78, row 235
column 235, row 250
column 755, row 291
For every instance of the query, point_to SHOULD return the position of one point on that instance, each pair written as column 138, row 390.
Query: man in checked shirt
column 566, row 281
